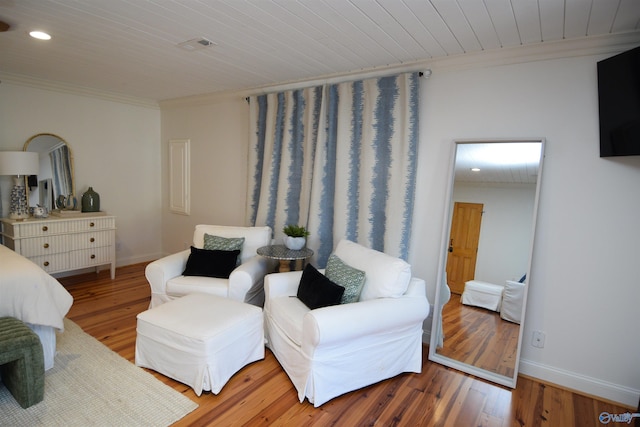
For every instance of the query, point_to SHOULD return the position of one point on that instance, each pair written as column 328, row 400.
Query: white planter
column 295, row 243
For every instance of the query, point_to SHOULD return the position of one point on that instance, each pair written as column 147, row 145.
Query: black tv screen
column 619, row 104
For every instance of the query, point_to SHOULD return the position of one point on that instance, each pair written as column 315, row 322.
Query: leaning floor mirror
column 485, row 262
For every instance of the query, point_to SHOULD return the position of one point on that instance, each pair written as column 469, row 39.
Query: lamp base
column 18, row 217
column 18, row 207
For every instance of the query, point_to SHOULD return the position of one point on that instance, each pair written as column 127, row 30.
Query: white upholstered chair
column 512, row 301
column 329, row 351
column 244, row 284
column 436, row 310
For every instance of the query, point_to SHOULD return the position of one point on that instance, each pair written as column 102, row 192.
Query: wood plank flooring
column 479, row 337
column 261, row 393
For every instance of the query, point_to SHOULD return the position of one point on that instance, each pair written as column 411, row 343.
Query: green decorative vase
column 90, row 201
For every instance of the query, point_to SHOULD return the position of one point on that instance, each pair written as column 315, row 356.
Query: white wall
column 505, row 230
column 115, row 148
column 584, row 292
column 218, row 131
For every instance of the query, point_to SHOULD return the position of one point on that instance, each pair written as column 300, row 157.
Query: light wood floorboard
column 479, row 337
column 261, row 393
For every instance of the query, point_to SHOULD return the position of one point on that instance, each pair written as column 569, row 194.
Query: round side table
column 284, row 255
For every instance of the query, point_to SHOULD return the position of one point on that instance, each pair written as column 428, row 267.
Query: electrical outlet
column 118, row 246
column 538, row 339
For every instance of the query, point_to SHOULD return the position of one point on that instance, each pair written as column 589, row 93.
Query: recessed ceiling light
column 40, row 35
column 475, row 169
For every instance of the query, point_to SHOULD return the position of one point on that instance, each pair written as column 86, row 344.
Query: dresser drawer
column 44, row 245
column 37, row 229
column 52, row 263
column 91, row 240
column 90, row 257
column 90, row 224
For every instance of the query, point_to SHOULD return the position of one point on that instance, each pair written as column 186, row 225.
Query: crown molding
column 21, row 80
column 569, row 48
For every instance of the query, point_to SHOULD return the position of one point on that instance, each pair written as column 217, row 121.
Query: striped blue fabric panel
column 340, row 159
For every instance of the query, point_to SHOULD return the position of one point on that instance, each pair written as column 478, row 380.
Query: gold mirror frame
column 43, row 144
column 443, row 294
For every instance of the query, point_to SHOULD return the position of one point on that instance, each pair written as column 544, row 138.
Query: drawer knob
column 92, row 240
column 92, row 224
column 45, row 228
column 46, row 246
column 46, row 263
column 93, row 256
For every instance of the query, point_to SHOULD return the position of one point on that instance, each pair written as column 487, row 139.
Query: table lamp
column 19, row 164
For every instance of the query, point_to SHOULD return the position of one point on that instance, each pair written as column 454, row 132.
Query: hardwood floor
column 261, row 393
column 479, row 337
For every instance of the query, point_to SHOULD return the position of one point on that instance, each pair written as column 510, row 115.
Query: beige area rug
column 90, row 385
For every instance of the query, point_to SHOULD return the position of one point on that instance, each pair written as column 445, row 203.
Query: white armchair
column 512, row 301
column 332, row 350
column 245, row 283
column 445, row 296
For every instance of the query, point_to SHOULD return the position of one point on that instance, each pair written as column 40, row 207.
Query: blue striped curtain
column 339, row 159
column 61, row 168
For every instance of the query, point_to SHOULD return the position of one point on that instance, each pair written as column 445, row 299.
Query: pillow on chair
column 316, row 291
column 351, row 279
column 211, row 263
column 386, row 276
column 223, row 244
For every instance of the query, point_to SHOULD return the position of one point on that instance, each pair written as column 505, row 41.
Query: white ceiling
column 498, row 162
column 131, row 46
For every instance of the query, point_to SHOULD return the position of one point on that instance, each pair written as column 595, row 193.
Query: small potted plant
column 296, row 236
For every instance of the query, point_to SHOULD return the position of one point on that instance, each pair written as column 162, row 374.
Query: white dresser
column 60, row 244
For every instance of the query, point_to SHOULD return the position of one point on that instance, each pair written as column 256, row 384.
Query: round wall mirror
column 55, row 176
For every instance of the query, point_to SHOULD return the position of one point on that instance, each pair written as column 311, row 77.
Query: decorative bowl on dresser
column 64, row 243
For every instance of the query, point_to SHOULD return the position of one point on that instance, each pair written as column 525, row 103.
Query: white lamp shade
column 19, row 163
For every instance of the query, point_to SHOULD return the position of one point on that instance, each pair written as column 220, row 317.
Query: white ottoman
column 482, row 294
column 200, row 340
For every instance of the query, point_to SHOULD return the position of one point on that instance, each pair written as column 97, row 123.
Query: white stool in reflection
column 482, row 294
column 506, row 299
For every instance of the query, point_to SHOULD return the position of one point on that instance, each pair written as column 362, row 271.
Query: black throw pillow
column 211, row 263
column 316, row 291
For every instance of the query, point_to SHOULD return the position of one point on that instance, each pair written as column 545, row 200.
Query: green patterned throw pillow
column 348, row 277
column 217, row 243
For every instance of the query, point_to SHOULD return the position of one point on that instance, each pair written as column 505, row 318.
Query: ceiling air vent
column 196, row 44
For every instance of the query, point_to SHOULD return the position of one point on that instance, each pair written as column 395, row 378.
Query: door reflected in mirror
column 486, row 257
column 55, row 176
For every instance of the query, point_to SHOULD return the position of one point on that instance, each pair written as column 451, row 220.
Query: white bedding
column 30, row 294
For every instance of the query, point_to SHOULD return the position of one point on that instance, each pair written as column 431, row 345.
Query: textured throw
column 90, row 385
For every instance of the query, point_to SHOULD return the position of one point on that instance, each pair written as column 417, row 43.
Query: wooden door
column 463, row 244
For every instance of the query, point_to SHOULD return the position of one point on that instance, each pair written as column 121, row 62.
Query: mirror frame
column 71, row 165
column 446, row 229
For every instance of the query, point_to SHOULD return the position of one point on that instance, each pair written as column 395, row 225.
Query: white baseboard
column 120, row 262
column 625, row 396
column 123, row 261
column 592, row 386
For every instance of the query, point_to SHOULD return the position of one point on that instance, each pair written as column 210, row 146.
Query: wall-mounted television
column 619, row 104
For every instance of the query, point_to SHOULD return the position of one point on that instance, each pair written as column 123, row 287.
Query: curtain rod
column 344, row 78
column 423, row 74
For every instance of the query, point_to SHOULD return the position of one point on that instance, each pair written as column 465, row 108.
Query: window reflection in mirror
column 55, row 176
